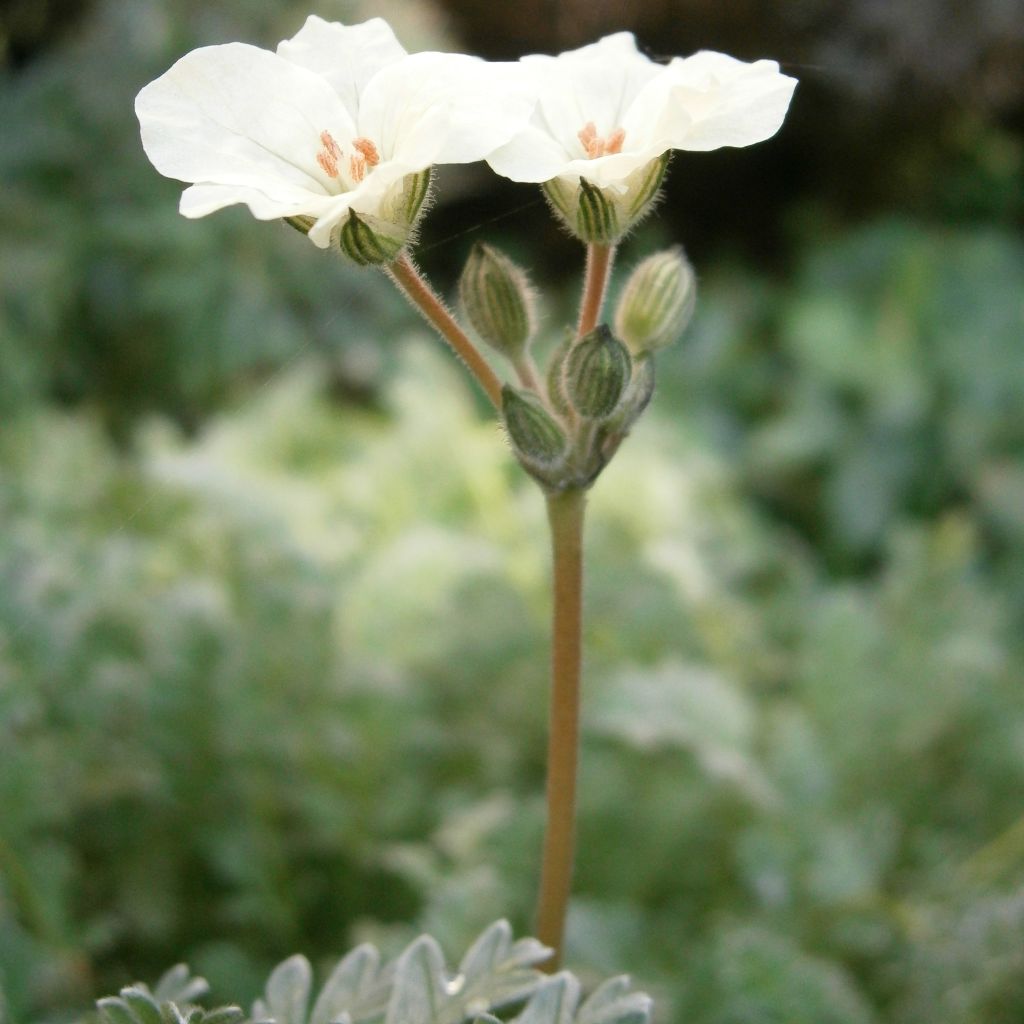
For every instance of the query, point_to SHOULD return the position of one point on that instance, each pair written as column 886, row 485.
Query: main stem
column 599, row 268
column 565, row 515
column 417, row 290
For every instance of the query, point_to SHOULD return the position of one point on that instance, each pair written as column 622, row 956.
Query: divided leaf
column 555, row 1001
column 287, row 992
column 613, row 1003
column 420, row 990
column 416, row 988
column 354, row 990
column 178, row 986
column 496, row 972
column 170, row 1003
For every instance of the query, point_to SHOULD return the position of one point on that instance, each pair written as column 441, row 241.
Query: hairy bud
column 538, row 438
column 498, row 300
column 555, row 376
column 596, row 372
column 637, row 395
column 657, row 302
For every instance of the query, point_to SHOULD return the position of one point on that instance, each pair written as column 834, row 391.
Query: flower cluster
column 337, row 130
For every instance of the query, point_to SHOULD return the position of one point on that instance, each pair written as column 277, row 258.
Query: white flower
column 339, row 119
column 607, row 114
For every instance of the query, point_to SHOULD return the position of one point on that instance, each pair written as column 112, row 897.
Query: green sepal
column 302, row 223
column 596, row 372
column 415, row 191
column 602, row 216
column 365, row 246
column 596, row 217
column 643, row 188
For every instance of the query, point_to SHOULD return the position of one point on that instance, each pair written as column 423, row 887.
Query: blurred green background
column 273, row 598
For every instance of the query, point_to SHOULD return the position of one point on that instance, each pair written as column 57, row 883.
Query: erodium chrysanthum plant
column 336, row 132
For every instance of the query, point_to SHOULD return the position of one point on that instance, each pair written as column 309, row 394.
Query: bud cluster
column 565, row 429
column 565, row 432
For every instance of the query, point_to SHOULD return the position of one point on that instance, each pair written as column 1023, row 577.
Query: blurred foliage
column 883, row 380
column 282, row 688
column 271, row 665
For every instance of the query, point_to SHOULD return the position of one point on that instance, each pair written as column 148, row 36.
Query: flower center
column 364, row 157
column 594, row 146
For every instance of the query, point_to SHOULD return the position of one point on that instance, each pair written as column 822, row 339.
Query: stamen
column 588, row 137
column 368, row 149
column 365, row 155
column 594, row 146
column 328, row 155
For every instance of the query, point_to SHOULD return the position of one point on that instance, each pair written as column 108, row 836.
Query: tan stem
column 526, row 371
column 599, row 268
column 415, row 287
column 565, row 516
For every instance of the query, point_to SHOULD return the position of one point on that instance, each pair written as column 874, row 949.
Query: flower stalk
column 565, row 517
column 415, row 287
column 599, row 267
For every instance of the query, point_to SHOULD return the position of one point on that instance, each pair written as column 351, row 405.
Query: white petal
column 612, row 171
column 334, row 214
column 533, row 155
column 596, row 83
column 239, row 115
column 444, row 108
column 204, row 198
column 348, row 56
column 655, row 117
column 730, row 102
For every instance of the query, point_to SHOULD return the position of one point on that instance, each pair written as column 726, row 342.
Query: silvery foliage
column 171, row 1001
column 415, row 988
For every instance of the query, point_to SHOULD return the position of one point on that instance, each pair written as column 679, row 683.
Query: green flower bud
column 604, row 215
column 657, row 302
column 596, row 372
column 637, row 395
column 498, row 300
column 537, row 437
column 371, row 240
column 556, row 376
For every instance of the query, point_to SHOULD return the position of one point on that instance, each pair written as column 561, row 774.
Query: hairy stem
column 526, row 371
column 565, row 516
column 599, row 268
column 415, row 287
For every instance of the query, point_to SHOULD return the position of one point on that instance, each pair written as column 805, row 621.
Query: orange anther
column 327, row 156
column 594, row 146
column 369, row 151
column 614, row 142
column 588, row 137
